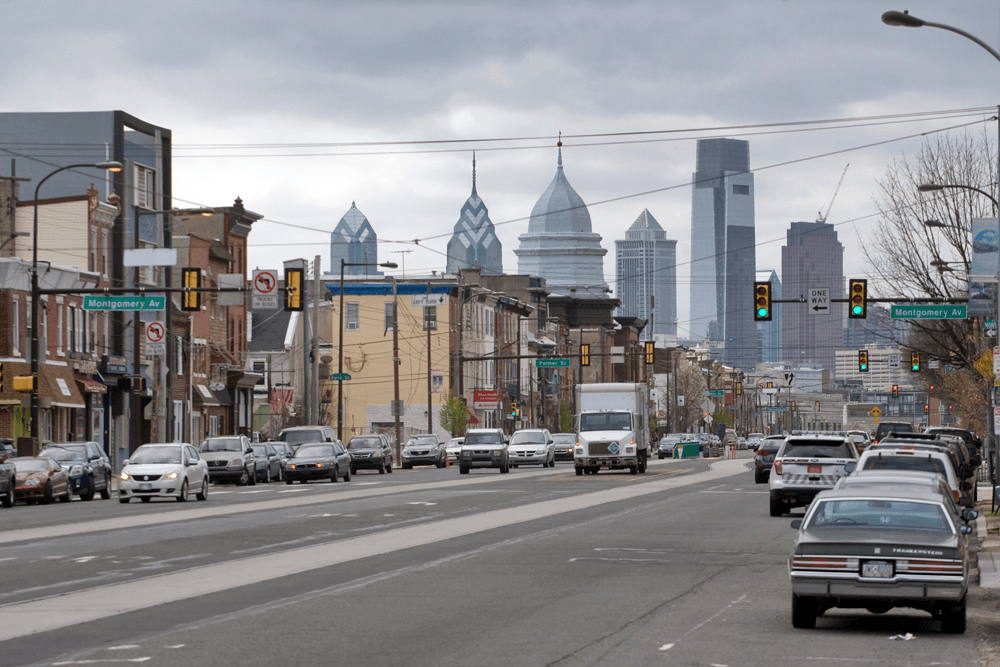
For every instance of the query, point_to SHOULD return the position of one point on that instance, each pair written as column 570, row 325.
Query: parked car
column 318, row 460
column 972, row 443
column 230, row 459
column 877, row 549
column 906, row 457
column 283, row 449
column 88, row 465
column 267, row 463
column 806, row 465
column 8, row 477
column 883, row 429
column 763, row 458
column 40, row 479
column 370, row 451
column 453, row 447
column 665, row 447
column 563, row 444
column 927, row 481
column 296, row 435
column 532, row 446
column 424, row 449
column 163, row 470
column 484, row 448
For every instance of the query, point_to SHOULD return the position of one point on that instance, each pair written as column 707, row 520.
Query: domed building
column 560, row 244
column 354, row 241
column 474, row 244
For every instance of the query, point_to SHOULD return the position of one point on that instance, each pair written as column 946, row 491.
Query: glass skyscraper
column 646, row 266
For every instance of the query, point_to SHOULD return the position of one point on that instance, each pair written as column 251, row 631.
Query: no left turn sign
column 264, row 282
column 155, row 332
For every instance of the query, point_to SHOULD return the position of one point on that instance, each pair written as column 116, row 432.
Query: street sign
column 875, row 412
column 777, row 408
column 819, row 300
column 874, row 420
column 680, row 401
column 716, row 392
column 265, row 286
column 485, row 399
column 789, row 379
column 708, row 419
column 928, row 312
column 155, row 343
column 102, row 302
column 551, row 363
column 340, row 377
column 769, row 390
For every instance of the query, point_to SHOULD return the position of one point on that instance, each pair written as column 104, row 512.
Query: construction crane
column 822, row 216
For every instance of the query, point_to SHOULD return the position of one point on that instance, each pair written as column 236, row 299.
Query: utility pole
column 313, row 345
column 395, row 369
column 427, row 325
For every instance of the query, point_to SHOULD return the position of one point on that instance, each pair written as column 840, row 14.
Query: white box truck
column 612, row 426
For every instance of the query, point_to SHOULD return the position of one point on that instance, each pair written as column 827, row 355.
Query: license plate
column 814, row 469
column 145, row 487
column 876, row 569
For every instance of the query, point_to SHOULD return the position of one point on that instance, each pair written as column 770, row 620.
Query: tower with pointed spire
column 354, row 241
column 646, row 276
column 474, row 244
column 560, row 244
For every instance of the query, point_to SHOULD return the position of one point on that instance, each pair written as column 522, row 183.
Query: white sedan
column 163, row 470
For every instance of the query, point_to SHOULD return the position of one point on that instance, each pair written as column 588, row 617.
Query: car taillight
column 777, row 467
column 955, row 495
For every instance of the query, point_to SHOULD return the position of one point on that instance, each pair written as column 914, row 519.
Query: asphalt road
column 680, row 566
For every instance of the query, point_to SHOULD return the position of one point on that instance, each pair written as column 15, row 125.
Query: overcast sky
column 262, row 97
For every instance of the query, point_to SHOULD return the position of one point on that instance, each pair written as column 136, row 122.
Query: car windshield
column 528, row 438
column 482, row 439
column 364, row 443
column 148, row 455
column 606, row 421
column 298, row 437
column 313, row 451
column 925, row 463
column 880, row 514
column 564, row 438
column 222, row 445
column 62, row 454
column 423, row 440
column 259, row 450
column 30, row 465
column 817, row 450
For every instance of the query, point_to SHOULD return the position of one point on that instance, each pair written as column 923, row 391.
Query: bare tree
column 911, row 260
column 692, row 386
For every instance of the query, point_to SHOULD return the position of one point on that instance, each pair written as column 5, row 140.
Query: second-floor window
column 430, row 318
column 352, row 316
column 144, row 184
column 388, row 315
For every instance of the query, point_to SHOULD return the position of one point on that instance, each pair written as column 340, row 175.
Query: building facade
column 646, row 277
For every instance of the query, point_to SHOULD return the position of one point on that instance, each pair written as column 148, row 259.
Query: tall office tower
column 812, row 257
column 354, row 241
column 723, row 253
column 560, row 244
column 770, row 332
column 647, row 276
column 474, row 244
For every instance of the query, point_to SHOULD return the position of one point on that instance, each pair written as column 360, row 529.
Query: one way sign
column 819, row 300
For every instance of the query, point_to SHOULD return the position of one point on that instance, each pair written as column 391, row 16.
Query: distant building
column 646, row 276
column 723, row 254
column 354, row 241
column 770, row 332
column 812, row 257
column 474, row 244
column 878, row 328
column 560, row 244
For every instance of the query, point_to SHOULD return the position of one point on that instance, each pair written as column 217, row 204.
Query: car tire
column 579, row 471
column 388, row 466
column 778, row 507
column 124, row 501
column 47, row 496
column 804, row 611
column 203, row 495
column 252, row 478
column 953, row 619
column 183, row 495
column 89, row 495
column 244, row 479
column 267, row 475
column 633, row 470
column 758, row 477
column 10, row 498
column 513, row 465
column 347, row 474
column 106, row 491
column 642, row 461
column 407, row 466
column 463, row 470
column 335, row 477
column 381, row 467
column 289, row 481
column 69, row 493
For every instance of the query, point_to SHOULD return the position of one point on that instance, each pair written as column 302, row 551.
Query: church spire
column 473, row 172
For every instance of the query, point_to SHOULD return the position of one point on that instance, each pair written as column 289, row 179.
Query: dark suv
column 484, row 448
column 89, row 467
column 885, row 428
column 370, row 451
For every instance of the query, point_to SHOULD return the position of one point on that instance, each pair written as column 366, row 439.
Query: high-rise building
column 770, row 332
column 646, row 276
column 560, row 244
column 474, row 244
column 723, row 253
column 812, row 257
column 354, row 241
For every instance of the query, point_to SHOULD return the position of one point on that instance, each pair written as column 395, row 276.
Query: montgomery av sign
column 146, row 302
column 929, row 312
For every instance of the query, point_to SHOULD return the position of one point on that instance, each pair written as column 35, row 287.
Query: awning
column 61, row 383
column 89, row 386
column 204, row 396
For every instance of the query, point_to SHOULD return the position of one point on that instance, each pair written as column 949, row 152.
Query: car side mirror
column 125, row 463
column 796, row 523
column 965, row 529
column 850, row 467
column 969, row 515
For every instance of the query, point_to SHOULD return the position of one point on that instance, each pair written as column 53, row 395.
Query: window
column 430, row 318
column 741, row 189
column 16, row 327
column 352, row 316
column 105, row 254
column 60, row 316
column 144, row 186
column 93, row 249
column 73, row 331
column 179, row 358
column 388, row 315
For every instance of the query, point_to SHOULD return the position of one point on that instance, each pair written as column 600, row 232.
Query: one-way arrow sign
column 819, row 300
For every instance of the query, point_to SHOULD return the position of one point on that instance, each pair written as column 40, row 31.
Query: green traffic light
column 857, row 310
column 761, row 312
column 864, row 367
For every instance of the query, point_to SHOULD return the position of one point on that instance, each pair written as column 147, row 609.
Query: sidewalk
column 988, row 538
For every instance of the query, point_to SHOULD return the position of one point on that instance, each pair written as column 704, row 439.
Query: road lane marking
column 51, row 613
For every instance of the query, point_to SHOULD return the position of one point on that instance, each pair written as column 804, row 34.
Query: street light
column 340, row 360
column 36, row 294
column 935, row 187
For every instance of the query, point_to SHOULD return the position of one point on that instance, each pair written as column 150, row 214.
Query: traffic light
column 739, row 388
column 23, row 383
column 191, row 278
column 650, row 352
column 584, row 354
column 762, row 302
column 862, row 361
column 293, row 289
column 895, row 390
column 927, row 409
column 857, row 295
column 791, row 406
column 513, row 409
column 915, row 362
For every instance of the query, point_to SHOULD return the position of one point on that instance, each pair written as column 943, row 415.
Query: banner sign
column 985, row 251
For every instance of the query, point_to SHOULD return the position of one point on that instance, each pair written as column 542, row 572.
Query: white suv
column 532, row 446
column 806, row 465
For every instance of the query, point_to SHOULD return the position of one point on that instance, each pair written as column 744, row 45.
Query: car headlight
column 124, row 475
column 541, row 450
column 76, row 471
column 238, row 462
column 173, row 475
